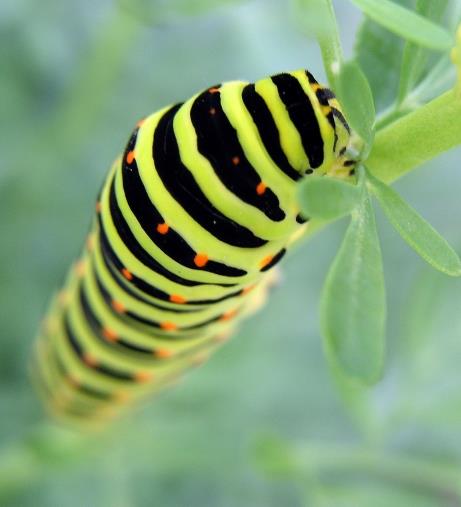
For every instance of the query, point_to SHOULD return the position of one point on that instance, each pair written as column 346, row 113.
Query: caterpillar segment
column 188, row 226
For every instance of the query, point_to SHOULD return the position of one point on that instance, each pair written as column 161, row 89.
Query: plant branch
column 416, row 138
column 439, row 479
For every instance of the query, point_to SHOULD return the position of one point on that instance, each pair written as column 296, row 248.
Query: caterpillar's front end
column 189, row 225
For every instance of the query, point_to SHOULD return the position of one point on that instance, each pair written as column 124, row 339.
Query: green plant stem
column 326, row 32
column 439, row 479
column 416, row 138
column 330, row 45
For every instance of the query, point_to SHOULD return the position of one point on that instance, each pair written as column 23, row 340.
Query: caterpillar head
column 313, row 132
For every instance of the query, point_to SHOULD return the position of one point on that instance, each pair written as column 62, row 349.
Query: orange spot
column 109, row 334
column 89, row 359
column 228, row 315
column 163, row 353
column 266, row 261
column 176, row 298
column 127, row 274
column 260, row 188
column 213, row 111
column 236, row 160
column 315, row 86
column 214, row 90
column 143, row 376
column 168, row 326
column 140, row 122
column 98, row 207
column 80, row 268
column 130, row 157
column 200, row 260
column 118, row 306
column 248, row 289
column 163, row 228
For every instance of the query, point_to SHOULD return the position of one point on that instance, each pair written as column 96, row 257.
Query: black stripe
column 274, row 260
column 172, row 243
column 180, row 183
column 109, row 253
column 302, row 114
column 145, row 287
column 337, row 113
column 77, row 348
column 138, row 251
column 300, row 219
column 89, row 391
column 218, row 142
column 267, row 129
column 124, row 285
column 135, row 317
column 96, row 327
column 311, row 78
column 324, row 95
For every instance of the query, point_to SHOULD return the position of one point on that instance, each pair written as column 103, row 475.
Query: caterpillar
column 188, row 226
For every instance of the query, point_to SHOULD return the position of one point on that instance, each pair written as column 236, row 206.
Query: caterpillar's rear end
column 188, row 226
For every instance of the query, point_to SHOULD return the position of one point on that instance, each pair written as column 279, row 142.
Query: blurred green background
column 263, row 423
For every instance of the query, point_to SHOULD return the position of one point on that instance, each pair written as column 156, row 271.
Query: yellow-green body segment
column 188, row 226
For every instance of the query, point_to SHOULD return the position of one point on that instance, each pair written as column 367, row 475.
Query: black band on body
column 302, row 115
column 270, row 136
column 218, row 142
column 180, row 183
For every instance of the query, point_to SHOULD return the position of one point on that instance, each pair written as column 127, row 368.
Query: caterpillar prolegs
column 189, row 223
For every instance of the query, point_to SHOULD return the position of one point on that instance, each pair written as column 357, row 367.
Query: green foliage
column 65, row 122
column 318, row 17
column 416, row 138
column 327, row 198
column 415, row 57
column 420, row 235
column 406, row 23
column 356, row 98
column 379, row 53
column 353, row 305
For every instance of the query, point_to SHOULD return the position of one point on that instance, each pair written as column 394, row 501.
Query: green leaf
column 356, row 98
column 416, row 138
column 418, row 233
column 353, row 306
column 327, row 197
column 415, row 58
column 407, row 24
column 318, row 17
column 379, row 52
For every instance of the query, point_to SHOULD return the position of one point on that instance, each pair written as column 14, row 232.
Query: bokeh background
column 263, row 423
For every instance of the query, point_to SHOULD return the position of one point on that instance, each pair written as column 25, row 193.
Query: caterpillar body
column 189, row 223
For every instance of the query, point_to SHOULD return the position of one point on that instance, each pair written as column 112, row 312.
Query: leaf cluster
column 415, row 127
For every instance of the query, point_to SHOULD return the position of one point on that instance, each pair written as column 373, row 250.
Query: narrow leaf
column 418, row 233
column 379, row 53
column 356, row 99
column 416, row 138
column 327, row 197
column 353, row 303
column 318, row 18
column 415, row 58
column 406, row 23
